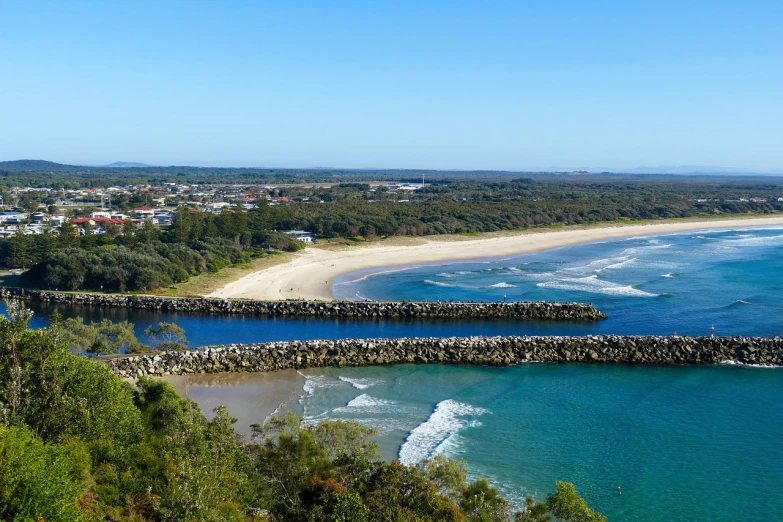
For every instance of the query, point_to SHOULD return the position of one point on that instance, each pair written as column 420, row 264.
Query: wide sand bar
column 250, row 397
column 311, row 273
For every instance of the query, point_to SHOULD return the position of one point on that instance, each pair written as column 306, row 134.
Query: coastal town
column 123, row 209
column 33, row 210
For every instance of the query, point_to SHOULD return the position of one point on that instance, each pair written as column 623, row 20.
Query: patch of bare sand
column 249, row 397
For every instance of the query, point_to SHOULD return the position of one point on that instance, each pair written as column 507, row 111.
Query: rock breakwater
column 494, row 351
column 352, row 309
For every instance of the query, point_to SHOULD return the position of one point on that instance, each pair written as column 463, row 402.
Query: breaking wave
column 366, row 404
column 446, row 420
column 593, row 285
column 360, row 383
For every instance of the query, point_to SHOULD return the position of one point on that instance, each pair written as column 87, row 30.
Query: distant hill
column 38, row 165
column 698, row 169
column 125, row 164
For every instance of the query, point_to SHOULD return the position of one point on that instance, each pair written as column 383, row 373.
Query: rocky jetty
column 351, row 309
column 494, row 351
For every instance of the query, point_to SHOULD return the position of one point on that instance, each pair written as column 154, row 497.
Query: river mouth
column 250, row 397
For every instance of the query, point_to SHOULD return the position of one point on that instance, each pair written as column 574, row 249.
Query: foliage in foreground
column 79, row 444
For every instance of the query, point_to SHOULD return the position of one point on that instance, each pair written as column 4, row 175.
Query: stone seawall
column 352, row 309
column 495, row 351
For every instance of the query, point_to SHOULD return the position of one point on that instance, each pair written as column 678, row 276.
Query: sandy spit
column 249, row 397
column 310, row 275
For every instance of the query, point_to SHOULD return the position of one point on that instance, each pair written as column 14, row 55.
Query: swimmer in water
column 619, row 491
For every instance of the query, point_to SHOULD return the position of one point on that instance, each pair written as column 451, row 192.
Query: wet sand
column 249, row 397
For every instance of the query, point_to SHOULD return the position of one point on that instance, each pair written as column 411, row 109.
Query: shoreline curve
column 311, row 274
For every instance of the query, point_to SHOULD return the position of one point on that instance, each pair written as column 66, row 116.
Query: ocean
column 684, row 443
column 683, row 283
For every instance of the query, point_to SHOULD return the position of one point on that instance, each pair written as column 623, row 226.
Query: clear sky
column 452, row 84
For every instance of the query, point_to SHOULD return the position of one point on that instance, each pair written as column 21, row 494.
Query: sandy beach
column 249, row 397
column 311, row 273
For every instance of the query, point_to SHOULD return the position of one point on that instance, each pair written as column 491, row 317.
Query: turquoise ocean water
column 685, row 443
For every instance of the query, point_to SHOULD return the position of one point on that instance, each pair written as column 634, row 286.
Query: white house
column 301, row 235
column 13, row 217
column 216, row 207
column 143, row 212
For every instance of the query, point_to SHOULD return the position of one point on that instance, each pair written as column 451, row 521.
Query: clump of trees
column 79, row 444
column 106, row 337
column 167, row 336
column 142, row 260
column 120, row 268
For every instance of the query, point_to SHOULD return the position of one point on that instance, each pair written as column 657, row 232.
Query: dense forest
column 79, row 444
column 128, row 259
column 140, row 260
column 451, row 208
column 38, row 173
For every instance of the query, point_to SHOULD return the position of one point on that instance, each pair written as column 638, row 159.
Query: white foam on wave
column 374, row 274
column 732, row 362
column 514, row 269
column 360, row 297
column 453, row 442
column 593, row 285
column 752, row 240
column 642, row 249
column 439, row 283
column 447, row 285
column 502, row 285
column 625, row 260
column 453, row 274
column 594, row 265
column 444, row 422
column 314, row 382
column 539, row 276
column 364, row 404
column 360, row 383
column 616, row 266
column 670, row 275
column 741, row 301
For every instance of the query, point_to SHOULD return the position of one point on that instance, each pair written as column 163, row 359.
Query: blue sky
column 488, row 85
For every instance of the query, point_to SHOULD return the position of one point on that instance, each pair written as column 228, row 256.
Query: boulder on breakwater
column 494, row 351
column 351, row 309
